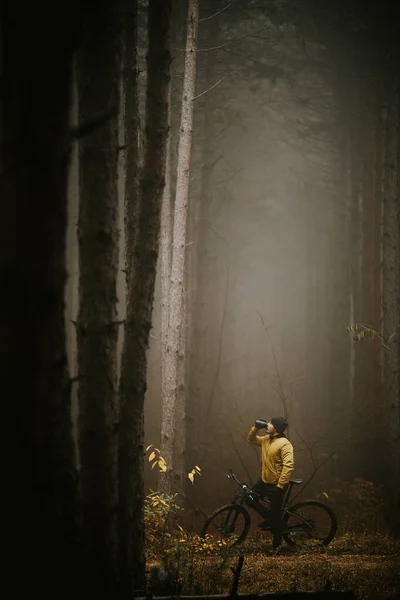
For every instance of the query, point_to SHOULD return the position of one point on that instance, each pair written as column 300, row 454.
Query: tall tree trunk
column 368, row 377
column 165, row 266
column 97, row 328
column 39, row 499
column 131, row 553
column 201, row 365
column 391, row 287
column 173, row 383
column 142, row 242
column 72, row 264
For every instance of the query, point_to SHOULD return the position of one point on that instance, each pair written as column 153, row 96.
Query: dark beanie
column 279, row 423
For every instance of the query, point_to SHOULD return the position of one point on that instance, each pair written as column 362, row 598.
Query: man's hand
column 260, row 424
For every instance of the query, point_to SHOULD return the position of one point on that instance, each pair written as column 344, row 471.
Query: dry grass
column 368, row 564
column 369, row 577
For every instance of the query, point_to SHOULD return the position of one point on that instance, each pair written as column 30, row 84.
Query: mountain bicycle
column 307, row 523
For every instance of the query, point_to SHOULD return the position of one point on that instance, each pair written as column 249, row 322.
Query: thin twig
column 215, row 14
column 209, row 89
column 228, row 43
column 157, row 339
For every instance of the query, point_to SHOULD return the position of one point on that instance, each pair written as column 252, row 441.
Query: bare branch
column 215, row 14
column 209, row 89
column 157, row 339
column 229, row 42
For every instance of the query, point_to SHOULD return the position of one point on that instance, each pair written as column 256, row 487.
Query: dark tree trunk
column 39, row 497
column 391, row 287
column 142, row 242
column 97, row 328
column 131, row 540
column 368, row 370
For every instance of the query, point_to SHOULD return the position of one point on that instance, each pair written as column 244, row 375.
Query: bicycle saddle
column 296, row 481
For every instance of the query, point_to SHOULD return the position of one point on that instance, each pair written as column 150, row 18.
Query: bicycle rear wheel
column 230, row 523
column 309, row 523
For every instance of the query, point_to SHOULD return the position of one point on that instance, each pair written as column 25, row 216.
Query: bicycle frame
column 247, row 492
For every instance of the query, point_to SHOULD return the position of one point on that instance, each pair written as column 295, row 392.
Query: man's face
column 271, row 429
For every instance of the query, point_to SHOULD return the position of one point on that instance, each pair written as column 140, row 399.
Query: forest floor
column 368, row 565
column 369, row 577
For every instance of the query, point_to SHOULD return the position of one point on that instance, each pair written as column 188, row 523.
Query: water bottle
column 261, row 424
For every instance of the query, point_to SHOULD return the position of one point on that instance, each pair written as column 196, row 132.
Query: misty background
column 275, row 236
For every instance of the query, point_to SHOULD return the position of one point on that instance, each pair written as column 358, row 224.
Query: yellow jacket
column 277, row 462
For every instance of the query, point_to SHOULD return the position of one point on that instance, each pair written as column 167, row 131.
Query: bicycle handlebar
column 232, row 476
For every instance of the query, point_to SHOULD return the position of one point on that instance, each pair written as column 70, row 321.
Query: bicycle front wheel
column 230, row 524
column 309, row 523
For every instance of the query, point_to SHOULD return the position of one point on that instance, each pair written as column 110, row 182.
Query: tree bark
column 142, row 244
column 200, row 365
column 39, row 499
column 365, row 409
column 97, row 328
column 165, row 263
column 391, row 288
column 174, row 383
column 131, row 553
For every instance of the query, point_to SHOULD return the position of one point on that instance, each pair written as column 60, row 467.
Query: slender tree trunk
column 200, row 365
column 97, row 327
column 131, row 541
column 39, row 498
column 165, row 264
column 391, row 287
column 72, row 264
column 367, row 389
column 142, row 244
column 177, row 292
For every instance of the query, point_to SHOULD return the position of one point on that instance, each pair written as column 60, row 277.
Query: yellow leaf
column 163, row 468
column 162, row 462
column 154, row 464
column 198, row 469
column 152, row 456
column 148, row 447
column 325, row 494
column 191, row 477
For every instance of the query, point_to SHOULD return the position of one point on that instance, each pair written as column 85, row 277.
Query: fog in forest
column 277, row 252
column 200, row 271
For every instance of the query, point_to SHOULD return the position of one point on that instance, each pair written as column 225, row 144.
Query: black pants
column 273, row 515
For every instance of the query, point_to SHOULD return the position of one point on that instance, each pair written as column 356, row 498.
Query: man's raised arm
column 253, row 438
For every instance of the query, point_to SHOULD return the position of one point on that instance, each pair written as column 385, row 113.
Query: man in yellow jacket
column 277, row 464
